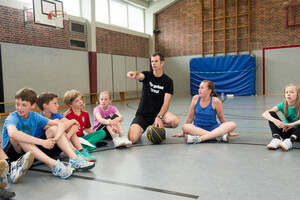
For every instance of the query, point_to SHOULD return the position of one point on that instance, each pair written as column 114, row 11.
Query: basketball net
column 57, row 16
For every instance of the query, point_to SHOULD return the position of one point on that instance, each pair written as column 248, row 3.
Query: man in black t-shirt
column 156, row 95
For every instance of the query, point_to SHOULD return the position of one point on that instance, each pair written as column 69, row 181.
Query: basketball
column 155, row 134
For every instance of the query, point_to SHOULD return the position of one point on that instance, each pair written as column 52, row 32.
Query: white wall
column 112, row 73
column 43, row 69
column 282, row 66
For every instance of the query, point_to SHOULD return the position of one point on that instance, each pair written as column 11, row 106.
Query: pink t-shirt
column 104, row 113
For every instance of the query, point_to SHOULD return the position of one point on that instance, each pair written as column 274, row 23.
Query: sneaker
column 274, row 144
column 126, row 141
column 193, row 139
column 87, row 156
column 286, row 144
column 118, row 142
column 4, row 168
column 19, row 167
column 79, row 163
column 5, row 194
column 223, row 138
column 59, row 169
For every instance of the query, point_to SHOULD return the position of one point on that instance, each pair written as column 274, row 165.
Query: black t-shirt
column 153, row 93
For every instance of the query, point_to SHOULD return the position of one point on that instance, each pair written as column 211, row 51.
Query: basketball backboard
column 41, row 10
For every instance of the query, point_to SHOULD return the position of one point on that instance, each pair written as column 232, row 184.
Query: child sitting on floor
column 203, row 111
column 289, row 129
column 108, row 118
column 23, row 132
column 73, row 99
column 48, row 103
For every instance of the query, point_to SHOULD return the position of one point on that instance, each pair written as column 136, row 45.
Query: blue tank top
column 205, row 117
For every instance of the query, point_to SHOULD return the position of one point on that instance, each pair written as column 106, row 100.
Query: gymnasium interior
column 249, row 48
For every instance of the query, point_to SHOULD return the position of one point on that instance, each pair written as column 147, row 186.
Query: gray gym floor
column 241, row 169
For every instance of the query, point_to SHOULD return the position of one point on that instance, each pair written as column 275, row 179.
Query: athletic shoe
column 274, row 144
column 223, row 138
column 79, row 163
column 4, row 168
column 87, row 156
column 62, row 171
column 126, row 141
column 19, row 167
column 5, row 194
column 118, row 142
column 286, row 144
column 193, row 139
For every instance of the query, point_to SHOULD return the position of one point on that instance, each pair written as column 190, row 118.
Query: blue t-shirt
column 28, row 126
column 291, row 115
column 41, row 131
column 55, row 116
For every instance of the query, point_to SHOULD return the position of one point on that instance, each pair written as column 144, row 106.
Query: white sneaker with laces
column 274, row 144
column 118, row 142
column 59, row 169
column 126, row 141
column 79, row 163
column 19, row 167
column 223, row 138
column 4, row 168
column 193, row 139
column 286, row 144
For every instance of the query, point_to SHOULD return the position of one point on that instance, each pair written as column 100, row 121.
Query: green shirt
column 291, row 115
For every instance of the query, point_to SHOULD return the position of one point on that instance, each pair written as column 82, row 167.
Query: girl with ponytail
column 201, row 123
column 285, row 132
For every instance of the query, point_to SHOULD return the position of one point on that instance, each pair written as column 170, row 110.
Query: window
column 136, row 18
column 72, row 7
column 120, row 14
column 26, row 1
column 102, row 11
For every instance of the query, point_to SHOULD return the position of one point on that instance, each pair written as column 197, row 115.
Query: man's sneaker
column 5, row 194
column 85, row 153
column 126, row 141
column 193, row 139
column 118, row 142
column 19, row 167
column 4, row 168
column 286, row 144
column 274, row 144
column 223, row 138
column 79, row 163
column 62, row 171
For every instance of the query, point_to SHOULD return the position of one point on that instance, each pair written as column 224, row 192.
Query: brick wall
column 113, row 42
column 180, row 27
column 13, row 30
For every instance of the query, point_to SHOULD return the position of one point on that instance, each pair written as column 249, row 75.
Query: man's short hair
column 70, row 96
column 45, row 97
column 26, row 94
column 161, row 57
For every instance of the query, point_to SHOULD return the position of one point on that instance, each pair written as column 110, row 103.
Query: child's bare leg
column 3, row 154
column 71, row 135
column 193, row 130
column 120, row 129
column 38, row 154
column 62, row 142
column 221, row 130
column 111, row 132
column 75, row 141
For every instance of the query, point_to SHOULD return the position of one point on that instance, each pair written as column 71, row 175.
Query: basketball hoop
column 56, row 15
